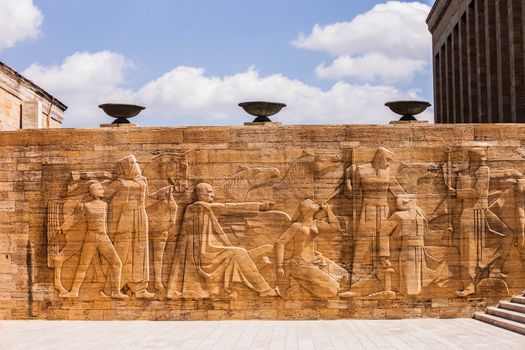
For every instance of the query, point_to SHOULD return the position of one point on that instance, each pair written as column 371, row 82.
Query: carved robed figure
column 206, row 263
column 128, row 223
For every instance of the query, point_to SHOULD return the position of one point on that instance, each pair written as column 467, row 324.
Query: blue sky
column 191, row 62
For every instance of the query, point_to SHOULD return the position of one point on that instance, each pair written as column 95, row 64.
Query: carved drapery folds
column 322, row 224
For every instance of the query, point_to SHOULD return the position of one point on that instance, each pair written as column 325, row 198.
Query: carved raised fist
column 165, row 192
column 521, row 184
column 510, row 181
column 280, row 273
column 384, row 261
column 181, row 186
column 265, row 206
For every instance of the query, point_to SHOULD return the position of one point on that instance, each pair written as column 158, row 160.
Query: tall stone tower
column 479, row 67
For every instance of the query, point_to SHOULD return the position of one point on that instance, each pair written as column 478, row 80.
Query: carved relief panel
column 372, row 223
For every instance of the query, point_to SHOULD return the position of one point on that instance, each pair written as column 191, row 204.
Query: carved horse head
column 170, row 167
column 261, row 176
column 410, row 174
column 238, row 186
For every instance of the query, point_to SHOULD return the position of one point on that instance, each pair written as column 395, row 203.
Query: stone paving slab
column 253, row 335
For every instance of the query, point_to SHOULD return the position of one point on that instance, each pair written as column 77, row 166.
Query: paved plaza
column 304, row 335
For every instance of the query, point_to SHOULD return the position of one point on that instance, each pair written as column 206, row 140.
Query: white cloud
column 187, row 96
column 373, row 66
column 389, row 43
column 82, row 81
column 394, row 28
column 19, row 20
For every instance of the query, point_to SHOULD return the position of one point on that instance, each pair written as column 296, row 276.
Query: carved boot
column 496, row 273
column 72, row 295
column 116, row 292
column 119, row 295
column 173, row 294
column 348, row 294
column 469, row 290
column 144, row 294
column 61, row 290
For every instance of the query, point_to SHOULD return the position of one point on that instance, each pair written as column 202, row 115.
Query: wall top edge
column 437, row 11
column 269, row 129
column 209, row 127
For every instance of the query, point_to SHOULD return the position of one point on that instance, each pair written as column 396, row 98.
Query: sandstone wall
column 403, row 221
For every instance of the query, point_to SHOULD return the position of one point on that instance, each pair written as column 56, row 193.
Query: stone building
column 479, row 70
column 25, row 105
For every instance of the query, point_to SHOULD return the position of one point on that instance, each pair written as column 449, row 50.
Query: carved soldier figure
column 163, row 170
column 94, row 213
column 484, row 240
column 206, row 262
column 372, row 181
column 317, row 274
column 407, row 226
column 520, row 215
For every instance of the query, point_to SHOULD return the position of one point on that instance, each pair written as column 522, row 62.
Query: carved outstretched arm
column 513, row 173
column 236, row 208
column 163, row 193
column 111, row 189
column 286, row 237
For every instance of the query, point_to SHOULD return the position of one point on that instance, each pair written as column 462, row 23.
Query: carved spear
column 448, row 182
column 354, row 204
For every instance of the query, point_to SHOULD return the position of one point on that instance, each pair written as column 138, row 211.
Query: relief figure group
column 151, row 232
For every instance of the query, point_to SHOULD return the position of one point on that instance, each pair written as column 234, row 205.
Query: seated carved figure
column 317, row 274
column 206, row 262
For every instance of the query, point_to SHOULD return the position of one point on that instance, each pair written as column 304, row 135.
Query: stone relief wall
column 257, row 222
